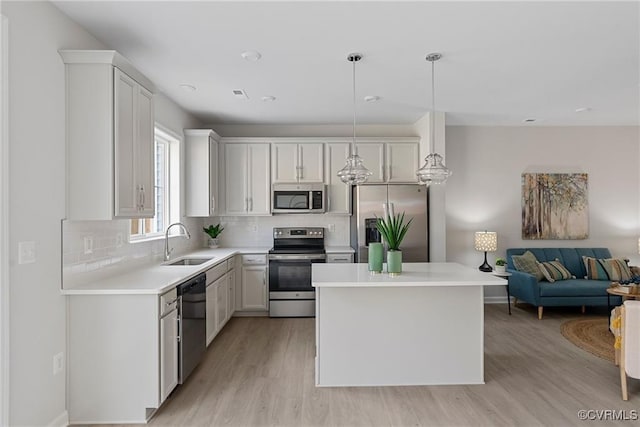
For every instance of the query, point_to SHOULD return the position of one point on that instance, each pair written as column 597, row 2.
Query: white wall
column 37, row 30
column 484, row 191
column 37, row 201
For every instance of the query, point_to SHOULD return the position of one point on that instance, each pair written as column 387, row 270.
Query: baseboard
column 61, row 420
column 495, row 300
column 251, row 314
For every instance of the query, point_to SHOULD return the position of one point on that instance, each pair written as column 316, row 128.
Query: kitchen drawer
column 168, row 301
column 215, row 272
column 339, row 258
column 254, row 259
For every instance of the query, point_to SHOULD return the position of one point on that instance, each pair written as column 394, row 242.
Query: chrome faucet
column 167, row 251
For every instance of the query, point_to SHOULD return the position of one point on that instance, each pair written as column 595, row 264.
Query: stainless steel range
column 294, row 251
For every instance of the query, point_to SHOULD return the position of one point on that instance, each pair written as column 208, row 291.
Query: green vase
column 375, row 257
column 394, row 262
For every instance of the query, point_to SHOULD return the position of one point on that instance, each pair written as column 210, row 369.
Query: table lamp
column 486, row 241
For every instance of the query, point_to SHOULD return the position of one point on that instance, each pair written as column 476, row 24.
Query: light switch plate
column 26, row 252
column 332, row 228
column 88, row 245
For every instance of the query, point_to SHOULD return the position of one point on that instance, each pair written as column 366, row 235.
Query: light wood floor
column 260, row 372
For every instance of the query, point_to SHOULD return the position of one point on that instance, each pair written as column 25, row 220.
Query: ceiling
column 503, row 62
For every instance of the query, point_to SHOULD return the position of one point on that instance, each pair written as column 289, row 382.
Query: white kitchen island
column 423, row 327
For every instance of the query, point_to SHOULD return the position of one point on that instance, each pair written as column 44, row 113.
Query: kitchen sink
column 188, row 261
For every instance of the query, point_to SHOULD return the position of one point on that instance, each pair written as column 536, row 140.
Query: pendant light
column 434, row 171
column 354, row 172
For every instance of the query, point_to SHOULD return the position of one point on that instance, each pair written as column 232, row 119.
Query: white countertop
column 338, row 249
column 157, row 279
column 413, row 274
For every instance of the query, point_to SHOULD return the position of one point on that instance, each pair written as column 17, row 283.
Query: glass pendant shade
column 433, row 171
column 354, row 171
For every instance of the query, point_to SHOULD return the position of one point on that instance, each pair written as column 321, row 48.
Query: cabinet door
column 231, row 308
column 236, row 199
column 214, row 207
column 254, row 287
column 259, row 179
column 284, row 163
column 402, row 162
column 222, row 293
column 372, row 155
column 310, row 163
column 145, row 159
column 211, row 316
column 168, row 354
column 338, row 193
column 128, row 195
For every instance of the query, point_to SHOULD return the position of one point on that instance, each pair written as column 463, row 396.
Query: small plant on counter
column 501, row 261
column 213, row 230
column 393, row 230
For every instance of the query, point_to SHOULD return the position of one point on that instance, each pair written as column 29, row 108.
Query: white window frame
column 171, row 185
column 4, row 222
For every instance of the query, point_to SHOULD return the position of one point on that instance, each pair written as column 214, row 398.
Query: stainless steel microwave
column 298, row 198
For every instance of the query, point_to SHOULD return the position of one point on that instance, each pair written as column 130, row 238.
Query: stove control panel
column 298, row 233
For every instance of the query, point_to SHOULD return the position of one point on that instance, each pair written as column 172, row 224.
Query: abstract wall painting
column 555, row 206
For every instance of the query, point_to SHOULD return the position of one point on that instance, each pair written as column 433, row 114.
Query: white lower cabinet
column 120, row 357
column 168, row 343
column 340, row 257
column 254, row 283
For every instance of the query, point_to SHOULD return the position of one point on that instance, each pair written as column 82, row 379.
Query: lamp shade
column 486, row 241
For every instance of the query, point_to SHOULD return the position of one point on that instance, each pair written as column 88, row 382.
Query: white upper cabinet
column 247, row 179
column 402, row 161
column 303, row 163
column 338, row 193
column 391, row 162
column 201, row 172
column 372, row 154
column 110, row 137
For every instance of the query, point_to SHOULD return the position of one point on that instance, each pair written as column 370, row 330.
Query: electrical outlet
column 26, row 252
column 332, row 228
column 254, row 228
column 58, row 363
column 119, row 240
column 88, row 245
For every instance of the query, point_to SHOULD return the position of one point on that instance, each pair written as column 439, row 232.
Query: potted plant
column 213, row 231
column 393, row 229
column 501, row 265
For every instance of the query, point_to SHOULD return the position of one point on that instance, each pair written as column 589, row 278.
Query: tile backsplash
column 258, row 230
column 93, row 250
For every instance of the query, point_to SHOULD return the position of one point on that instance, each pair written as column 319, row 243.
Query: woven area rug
column 591, row 335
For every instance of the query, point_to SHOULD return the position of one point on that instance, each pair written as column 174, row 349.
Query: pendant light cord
column 355, row 147
column 433, row 108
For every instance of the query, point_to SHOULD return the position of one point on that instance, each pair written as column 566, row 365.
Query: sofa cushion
column 528, row 263
column 554, row 270
column 574, row 288
column 595, row 270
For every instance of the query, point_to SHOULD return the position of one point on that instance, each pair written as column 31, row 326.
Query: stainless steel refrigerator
column 376, row 201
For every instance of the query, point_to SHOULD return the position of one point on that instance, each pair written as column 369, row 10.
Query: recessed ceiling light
column 188, row 88
column 251, row 55
column 529, row 120
column 372, row 98
column 239, row 93
column 268, row 98
column 583, row 110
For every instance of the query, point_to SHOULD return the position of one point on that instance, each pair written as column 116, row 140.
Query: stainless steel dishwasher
column 192, row 296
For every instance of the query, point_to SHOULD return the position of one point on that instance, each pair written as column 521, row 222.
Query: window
column 166, row 172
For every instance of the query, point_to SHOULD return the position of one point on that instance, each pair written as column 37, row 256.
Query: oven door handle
column 293, row 257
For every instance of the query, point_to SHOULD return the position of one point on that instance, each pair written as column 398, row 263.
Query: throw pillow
column 528, row 263
column 617, row 269
column 594, row 269
column 554, row 270
column 607, row 269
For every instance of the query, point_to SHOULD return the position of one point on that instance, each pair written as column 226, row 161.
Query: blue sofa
column 573, row 292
